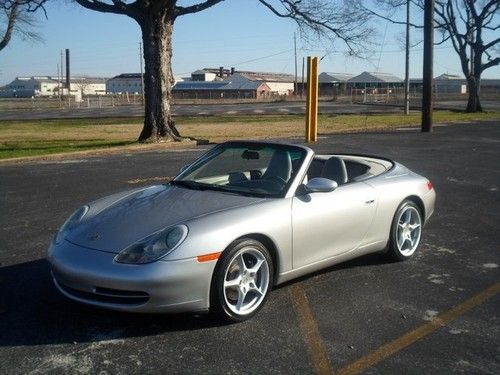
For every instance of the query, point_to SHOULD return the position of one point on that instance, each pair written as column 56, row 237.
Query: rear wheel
column 406, row 231
column 242, row 280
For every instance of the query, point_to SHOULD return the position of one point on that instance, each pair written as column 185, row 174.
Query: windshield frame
column 289, row 188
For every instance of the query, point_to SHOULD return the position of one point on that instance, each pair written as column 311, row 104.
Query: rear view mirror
column 250, row 155
column 320, row 185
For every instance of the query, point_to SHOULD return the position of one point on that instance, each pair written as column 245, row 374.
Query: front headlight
column 70, row 223
column 153, row 247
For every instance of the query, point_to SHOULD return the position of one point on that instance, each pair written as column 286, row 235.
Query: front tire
column 242, row 280
column 406, row 231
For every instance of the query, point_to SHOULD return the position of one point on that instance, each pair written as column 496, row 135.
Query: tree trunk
column 473, row 86
column 157, row 30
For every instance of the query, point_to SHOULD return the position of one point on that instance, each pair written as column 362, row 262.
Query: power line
column 261, row 58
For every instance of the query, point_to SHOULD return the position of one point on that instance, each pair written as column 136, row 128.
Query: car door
column 329, row 224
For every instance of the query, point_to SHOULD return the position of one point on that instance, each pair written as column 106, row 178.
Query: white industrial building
column 125, row 83
column 26, row 87
column 46, row 86
column 279, row 84
column 89, row 85
column 276, row 83
column 203, row 75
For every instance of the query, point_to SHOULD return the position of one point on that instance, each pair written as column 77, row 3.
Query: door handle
column 370, row 201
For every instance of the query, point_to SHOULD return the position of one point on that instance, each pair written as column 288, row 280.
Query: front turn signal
column 208, row 257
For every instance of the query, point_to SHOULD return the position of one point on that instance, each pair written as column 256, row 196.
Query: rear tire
column 242, row 280
column 406, row 231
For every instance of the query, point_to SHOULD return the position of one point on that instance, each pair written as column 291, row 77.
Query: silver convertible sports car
column 240, row 219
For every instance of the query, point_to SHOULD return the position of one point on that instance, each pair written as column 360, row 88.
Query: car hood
column 116, row 222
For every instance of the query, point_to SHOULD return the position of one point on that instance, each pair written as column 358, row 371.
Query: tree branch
column 345, row 20
column 491, row 44
column 118, row 7
column 180, row 11
column 489, row 64
column 11, row 20
column 392, row 20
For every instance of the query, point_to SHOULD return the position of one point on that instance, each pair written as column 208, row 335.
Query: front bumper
column 93, row 277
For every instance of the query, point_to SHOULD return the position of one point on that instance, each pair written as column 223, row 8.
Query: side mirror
column 320, row 185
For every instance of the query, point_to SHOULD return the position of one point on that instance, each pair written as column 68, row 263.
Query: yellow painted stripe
column 316, row 348
column 409, row 338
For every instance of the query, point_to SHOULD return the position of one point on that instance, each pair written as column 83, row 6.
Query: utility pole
column 142, row 75
column 68, row 77
column 303, row 66
column 428, row 65
column 407, row 62
column 62, row 78
column 58, row 83
column 295, row 49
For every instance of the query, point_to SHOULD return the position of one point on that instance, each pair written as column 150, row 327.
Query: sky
column 239, row 33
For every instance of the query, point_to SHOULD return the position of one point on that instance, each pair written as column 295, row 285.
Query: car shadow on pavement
column 372, row 259
column 33, row 312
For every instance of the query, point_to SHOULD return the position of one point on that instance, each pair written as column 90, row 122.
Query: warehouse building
column 221, row 83
column 125, row 83
column 455, row 84
column 375, row 81
column 227, row 89
column 278, row 84
column 333, row 84
column 46, row 86
column 89, row 85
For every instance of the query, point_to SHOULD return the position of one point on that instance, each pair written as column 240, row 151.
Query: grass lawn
column 42, row 137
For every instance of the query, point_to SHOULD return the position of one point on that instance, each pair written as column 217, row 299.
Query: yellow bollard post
column 308, row 100
column 312, row 100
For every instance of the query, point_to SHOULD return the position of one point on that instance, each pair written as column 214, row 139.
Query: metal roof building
column 327, row 77
column 375, row 80
column 231, row 87
column 375, row 77
column 333, row 84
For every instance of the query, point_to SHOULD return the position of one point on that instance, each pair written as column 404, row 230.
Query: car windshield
column 255, row 169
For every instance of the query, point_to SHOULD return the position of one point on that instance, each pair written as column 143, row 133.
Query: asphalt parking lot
column 228, row 109
column 435, row 314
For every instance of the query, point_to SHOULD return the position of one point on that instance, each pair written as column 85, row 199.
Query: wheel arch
column 270, row 246
column 420, row 204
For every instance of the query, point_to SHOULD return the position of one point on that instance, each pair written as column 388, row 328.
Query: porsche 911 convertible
column 239, row 220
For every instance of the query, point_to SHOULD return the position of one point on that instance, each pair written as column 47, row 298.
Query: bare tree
column 16, row 17
column 342, row 19
column 464, row 23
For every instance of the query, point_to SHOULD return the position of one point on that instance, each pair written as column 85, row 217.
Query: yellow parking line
column 409, row 338
column 315, row 345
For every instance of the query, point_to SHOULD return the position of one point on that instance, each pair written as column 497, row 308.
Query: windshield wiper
column 187, row 184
